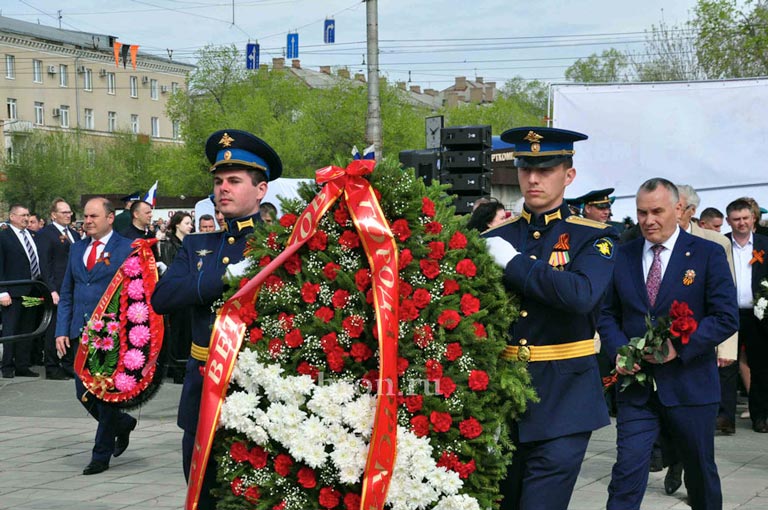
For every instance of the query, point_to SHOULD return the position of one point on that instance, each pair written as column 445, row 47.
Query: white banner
column 711, row 135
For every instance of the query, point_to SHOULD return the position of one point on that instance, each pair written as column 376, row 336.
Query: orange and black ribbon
column 757, row 256
column 229, row 329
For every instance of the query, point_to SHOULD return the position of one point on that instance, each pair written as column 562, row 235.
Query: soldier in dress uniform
column 597, row 205
column 560, row 265
column 241, row 165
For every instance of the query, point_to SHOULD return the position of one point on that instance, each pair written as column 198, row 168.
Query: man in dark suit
column 560, row 265
column 123, row 218
column 92, row 264
column 18, row 261
column 141, row 219
column 651, row 272
column 751, row 266
column 241, row 165
column 53, row 243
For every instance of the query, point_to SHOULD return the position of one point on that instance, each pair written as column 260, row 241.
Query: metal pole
column 373, row 121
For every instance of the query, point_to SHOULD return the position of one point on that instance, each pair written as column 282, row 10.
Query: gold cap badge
column 531, row 137
column 226, row 140
column 227, row 155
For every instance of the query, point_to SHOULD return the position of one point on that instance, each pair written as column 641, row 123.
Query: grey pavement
column 46, row 438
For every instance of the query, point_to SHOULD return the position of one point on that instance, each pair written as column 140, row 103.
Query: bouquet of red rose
column 679, row 324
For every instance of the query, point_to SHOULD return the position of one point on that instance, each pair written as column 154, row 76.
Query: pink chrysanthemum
column 139, row 336
column 113, row 327
column 97, row 325
column 138, row 313
column 124, row 382
column 134, row 359
column 84, row 339
column 107, row 343
column 132, row 267
column 136, row 289
column 97, row 342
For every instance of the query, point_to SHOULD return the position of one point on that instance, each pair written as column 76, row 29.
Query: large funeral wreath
column 297, row 419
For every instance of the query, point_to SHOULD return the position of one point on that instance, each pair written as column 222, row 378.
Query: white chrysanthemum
column 449, row 482
column 458, row 502
column 359, row 414
column 760, row 307
column 350, row 455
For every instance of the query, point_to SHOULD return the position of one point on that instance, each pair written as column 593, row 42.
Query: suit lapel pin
column 199, row 264
column 689, row 276
column 687, row 254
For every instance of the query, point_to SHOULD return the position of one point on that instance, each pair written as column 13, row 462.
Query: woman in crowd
column 487, row 215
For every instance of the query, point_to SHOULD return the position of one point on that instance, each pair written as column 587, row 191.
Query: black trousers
column 17, row 319
column 755, row 338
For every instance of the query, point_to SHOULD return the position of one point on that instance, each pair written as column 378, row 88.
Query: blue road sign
column 292, row 46
column 329, row 33
column 252, row 56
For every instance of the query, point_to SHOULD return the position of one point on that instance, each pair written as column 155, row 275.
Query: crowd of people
column 583, row 290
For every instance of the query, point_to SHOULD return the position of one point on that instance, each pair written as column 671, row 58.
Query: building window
column 9, row 154
column 63, row 75
column 174, row 87
column 176, row 129
column 37, row 71
column 88, row 118
column 134, row 86
column 12, row 114
column 134, row 124
column 39, row 113
column 10, row 67
column 111, row 83
column 88, row 80
column 64, row 116
column 111, row 122
column 153, row 89
column 155, row 127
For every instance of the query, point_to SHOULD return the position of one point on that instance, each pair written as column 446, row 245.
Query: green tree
column 610, row 66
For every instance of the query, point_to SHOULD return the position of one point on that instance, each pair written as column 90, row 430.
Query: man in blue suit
column 241, row 165
column 560, row 265
column 651, row 272
column 92, row 264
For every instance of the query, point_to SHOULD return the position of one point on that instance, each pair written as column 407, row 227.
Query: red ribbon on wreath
column 229, row 329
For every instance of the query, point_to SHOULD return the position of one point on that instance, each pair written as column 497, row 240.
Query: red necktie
column 92, row 256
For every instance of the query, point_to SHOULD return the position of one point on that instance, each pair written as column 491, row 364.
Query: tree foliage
column 611, row 66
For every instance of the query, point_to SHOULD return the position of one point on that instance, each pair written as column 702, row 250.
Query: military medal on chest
column 560, row 256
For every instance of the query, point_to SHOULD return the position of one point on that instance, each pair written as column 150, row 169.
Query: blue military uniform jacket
column 194, row 280
column 561, row 276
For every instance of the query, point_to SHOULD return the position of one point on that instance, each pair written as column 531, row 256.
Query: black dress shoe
column 95, row 467
column 760, row 426
column 8, row 375
column 57, row 375
column 724, row 426
column 122, row 440
column 674, row 478
column 26, row 373
column 657, row 464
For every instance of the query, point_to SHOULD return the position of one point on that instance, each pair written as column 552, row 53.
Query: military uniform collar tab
column 242, row 225
column 545, row 218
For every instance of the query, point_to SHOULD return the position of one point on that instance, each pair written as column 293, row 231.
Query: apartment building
column 53, row 79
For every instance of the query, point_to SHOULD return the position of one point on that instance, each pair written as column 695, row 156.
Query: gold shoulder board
column 587, row 223
column 505, row 222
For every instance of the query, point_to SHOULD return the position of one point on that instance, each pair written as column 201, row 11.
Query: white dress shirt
column 665, row 254
column 741, row 257
column 99, row 249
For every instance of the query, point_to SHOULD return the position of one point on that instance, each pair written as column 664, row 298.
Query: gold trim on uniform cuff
column 199, row 353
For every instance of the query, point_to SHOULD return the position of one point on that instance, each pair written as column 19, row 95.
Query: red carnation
column 272, row 243
column 273, row 283
column 305, row 368
column 436, row 250
column 341, row 215
column 306, row 478
column 683, row 324
column 370, row 380
column 445, row 387
column 448, row 460
column 414, row 403
column 283, row 464
column 440, row 421
column 237, row 486
column 467, row 268
column 248, row 312
column 469, row 304
column 352, row 501
column 405, row 289
column 470, row 428
column 353, row 325
column 285, row 320
column 329, row 342
column 252, row 494
column 453, row 351
column 362, row 279
column 265, row 260
column 255, row 335
column 421, row 298
column 406, row 257
column 242, row 282
column 449, row 319
column 349, row 239
column 465, row 469
column 420, row 425
column 279, row 506
column 293, row 264
column 402, row 365
column 309, row 292
column 458, row 241
column 335, row 359
column 430, row 268
column 330, row 270
column 408, row 310
column 238, row 451
column 478, row 380
column 288, row 220
column 434, row 370
column 428, row 207
column 401, row 230
column 433, row 227
column 294, row 339
column 258, row 457
column 325, row 314
column 450, row 287
column 360, row 352
column 318, row 242
column 369, row 296
column 480, row 330
column 329, row 497
column 423, row 336
column 340, row 298
column 275, row 347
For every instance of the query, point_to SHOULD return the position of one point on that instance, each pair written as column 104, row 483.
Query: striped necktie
column 34, row 264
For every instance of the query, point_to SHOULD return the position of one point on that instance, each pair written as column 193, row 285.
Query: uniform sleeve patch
column 604, row 247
